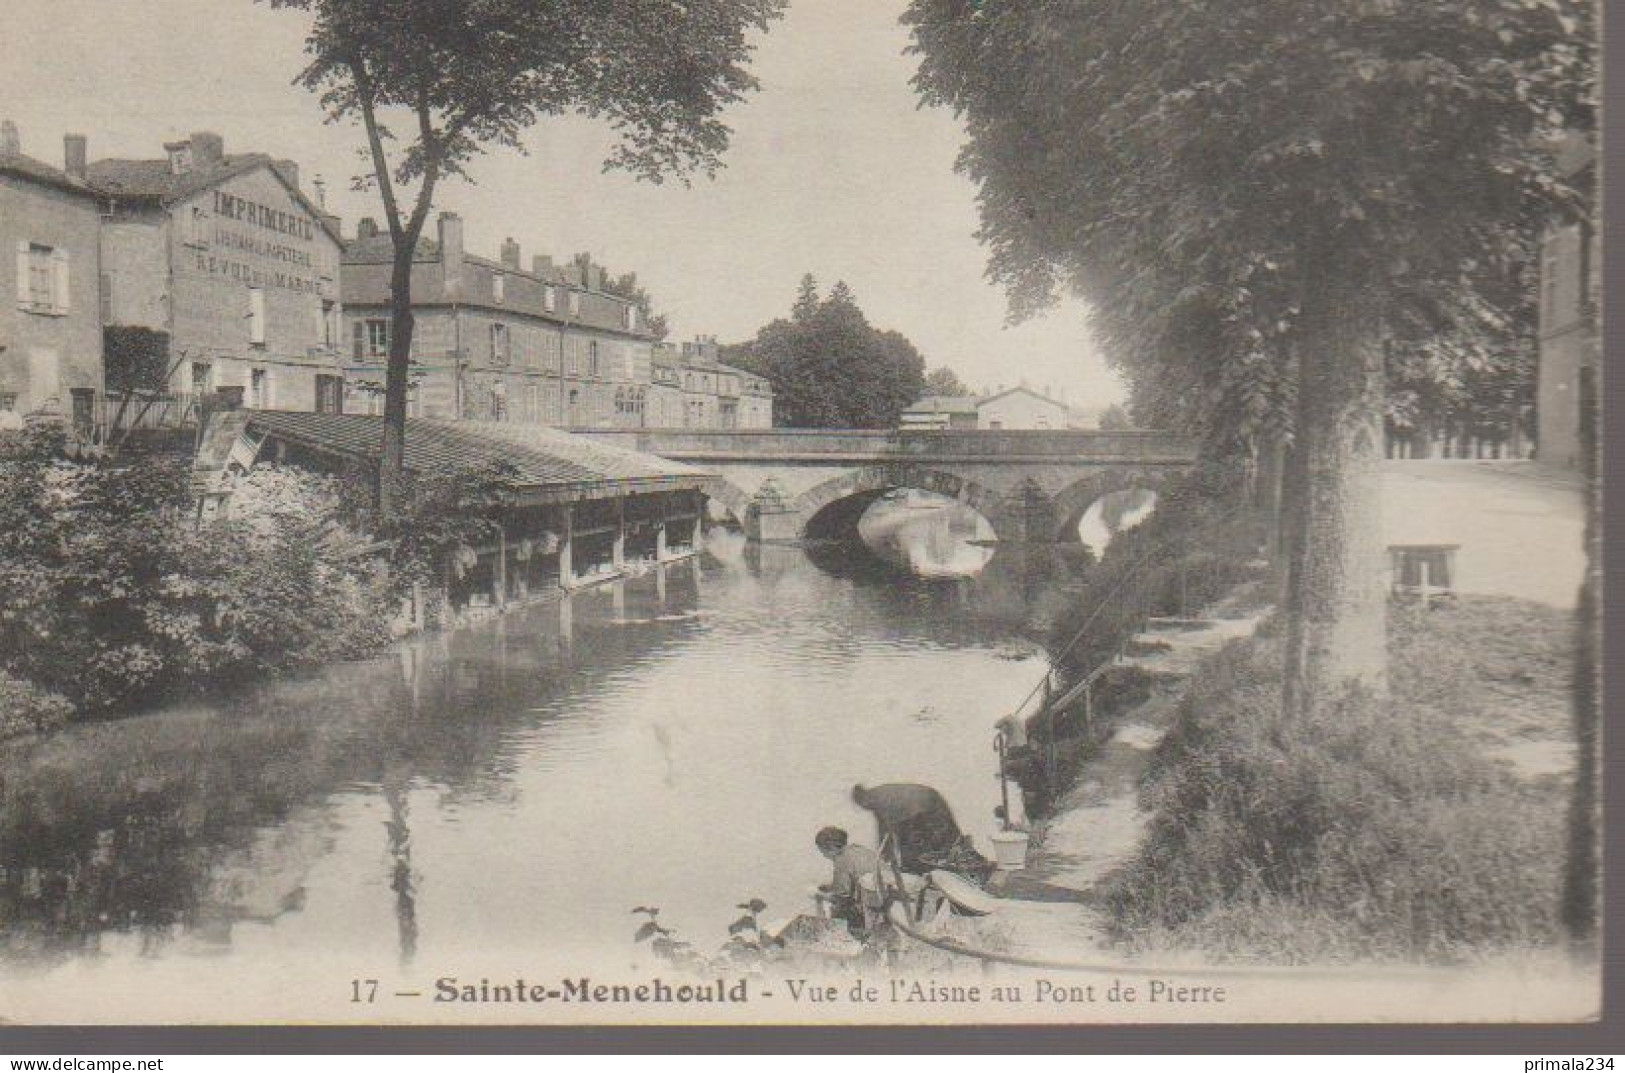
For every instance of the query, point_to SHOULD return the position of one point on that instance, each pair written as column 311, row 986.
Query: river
column 504, row 793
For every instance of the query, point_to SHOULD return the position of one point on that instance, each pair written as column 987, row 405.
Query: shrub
column 25, row 708
column 111, row 593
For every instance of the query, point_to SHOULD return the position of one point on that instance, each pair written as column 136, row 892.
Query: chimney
column 74, row 150
column 288, row 170
column 510, row 254
column 320, row 186
column 451, row 252
column 542, row 265
column 208, row 149
column 366, row 227
column 10, row 142
column 595, row 278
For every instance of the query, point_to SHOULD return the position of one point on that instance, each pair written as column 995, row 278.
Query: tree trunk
column 1581, row 876
column 392, row 460
column 1337, row 603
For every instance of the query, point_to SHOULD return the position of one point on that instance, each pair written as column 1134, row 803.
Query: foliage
column 1115, row 419
column 944, row 381
column 1362, row 832
column 745, row 948
column 1207, row 175
column 137, row 359
column 112, row 593
column 26, row 708
column 1194, row 549
column 438, row 514
column 462, row 75
column 830, row 368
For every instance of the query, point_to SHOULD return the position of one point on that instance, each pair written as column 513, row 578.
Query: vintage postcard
column 799, row 512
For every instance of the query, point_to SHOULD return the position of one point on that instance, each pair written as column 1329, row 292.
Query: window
column 42, row 278
column 549, row 299
column 329, row 394
column 501, row 345
column 499, row 287
column 629, row 317
column 256, row 316
column 575, row 303
column 259, row 394
column 8, row 402
column 202, row 378
column 592, row 358
column 195, row 228
column 330, row 322
column 499, row 401
column 371, row 338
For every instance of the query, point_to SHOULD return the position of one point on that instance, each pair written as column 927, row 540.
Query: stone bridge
column 1032, row 486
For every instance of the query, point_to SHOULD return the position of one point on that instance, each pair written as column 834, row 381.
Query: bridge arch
column 1074, row 501
column 816, row 506
column 730, row 495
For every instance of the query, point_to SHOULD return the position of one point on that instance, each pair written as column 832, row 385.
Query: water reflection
column 675, row 738
column 1114, row 513
column 928, row 534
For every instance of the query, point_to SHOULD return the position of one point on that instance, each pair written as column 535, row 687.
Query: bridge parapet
column 1133, row 446
column 1032, row 485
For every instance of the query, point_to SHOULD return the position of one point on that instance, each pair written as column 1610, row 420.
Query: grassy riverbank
column 1427, row 828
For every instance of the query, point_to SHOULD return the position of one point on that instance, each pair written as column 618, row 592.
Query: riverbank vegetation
column 1414, row 829
column 114, row 592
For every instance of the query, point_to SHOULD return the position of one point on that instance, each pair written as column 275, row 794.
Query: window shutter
column 22, row 273
column 359, row 339
column 256, row 316
column 59, row 282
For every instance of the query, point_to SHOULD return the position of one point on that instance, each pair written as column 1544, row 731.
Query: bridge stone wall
column 1032, row 486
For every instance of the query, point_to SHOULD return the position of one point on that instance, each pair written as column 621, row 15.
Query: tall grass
column 1371, row 830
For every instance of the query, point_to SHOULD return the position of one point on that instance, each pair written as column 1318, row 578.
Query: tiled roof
column 153, row 180
column 38, row 171
column 543, row 458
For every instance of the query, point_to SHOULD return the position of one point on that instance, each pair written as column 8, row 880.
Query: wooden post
column 617, row 548
column 567, row 576
column 499, row 579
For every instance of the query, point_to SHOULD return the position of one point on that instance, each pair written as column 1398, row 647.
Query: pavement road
column 1520, row 525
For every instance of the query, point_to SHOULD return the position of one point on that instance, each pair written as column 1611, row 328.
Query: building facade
column 493, row 341
column 702, row 391
column 941, row 412
column 232, row 264
column 1567, row 387
column 50, row 326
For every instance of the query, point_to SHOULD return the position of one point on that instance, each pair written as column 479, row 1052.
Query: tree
column 463, row 75
column 1256, row 199
column 1114, row 419
column 829, row 367
column 944, row 381
column 807, row 300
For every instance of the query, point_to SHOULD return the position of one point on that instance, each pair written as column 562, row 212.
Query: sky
column 834, row 169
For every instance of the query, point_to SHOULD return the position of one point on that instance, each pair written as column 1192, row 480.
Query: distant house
column 941, row 411
column 1022, row 408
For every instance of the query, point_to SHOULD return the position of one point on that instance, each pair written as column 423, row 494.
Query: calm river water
column 509, row 791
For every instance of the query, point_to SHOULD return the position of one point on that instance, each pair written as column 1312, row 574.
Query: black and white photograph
column 800, row 512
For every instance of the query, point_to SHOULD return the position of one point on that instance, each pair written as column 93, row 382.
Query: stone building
column 702, row 391
column 1022, row 408
column 237, row 270
column 941, row 412
column 50, row 329
column 1567, row 387
column 494, row 341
